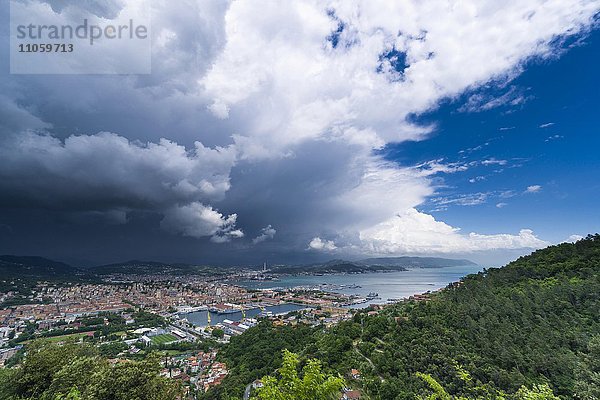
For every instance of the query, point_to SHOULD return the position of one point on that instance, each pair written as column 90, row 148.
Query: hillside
column 36, row 268
column 533, row 321
column 381, row 264
column 136, row 267
column 417, row 262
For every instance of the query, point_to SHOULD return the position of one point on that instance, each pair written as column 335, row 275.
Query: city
column 128, row 316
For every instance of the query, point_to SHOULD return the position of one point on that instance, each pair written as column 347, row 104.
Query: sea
column 388, row 285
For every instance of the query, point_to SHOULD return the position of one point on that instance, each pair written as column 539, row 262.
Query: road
column 368, row 360
column 247, row 391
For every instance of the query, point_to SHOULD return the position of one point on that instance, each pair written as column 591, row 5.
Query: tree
column 439, row 393
column 42, row 362
column 587, row 386
column 537, row 392
column 75, row 377
column 218, row 333
column 75, row 371
column 133, row 381
column 7, row 389
column 72, row 395
column 313, row 385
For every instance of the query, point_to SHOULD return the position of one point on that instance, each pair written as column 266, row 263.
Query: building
column 351, row 395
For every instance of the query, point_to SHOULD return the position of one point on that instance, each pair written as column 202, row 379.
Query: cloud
column 507, row 194
column 546, row 125
column 553, row 137
column 267, row 233
column 533, row 189
column 283, row 75
column 105, row 171
column 433, row 167
column 477, row 179
column 198, row 221
column 413, row 232
column 478, row 102
column 106, row 9
column 323, row 245
column 574, row 238
column 106, row 176
column 493, row 161
column 501, row 205
column 469, row 199
column 272, row 116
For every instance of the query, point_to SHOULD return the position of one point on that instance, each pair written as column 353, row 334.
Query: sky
column 293, row 132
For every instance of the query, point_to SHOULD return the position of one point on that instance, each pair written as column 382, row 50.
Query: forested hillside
column 535, row 321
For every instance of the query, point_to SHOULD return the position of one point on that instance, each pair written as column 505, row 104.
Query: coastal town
column 185, row 320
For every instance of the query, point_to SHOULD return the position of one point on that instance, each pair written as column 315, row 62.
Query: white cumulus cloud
column 323, row 245
column 574, row 238
column 282, row 72
column 414, row 232
column 533, row 189
column 266, row 233
column 197, row 220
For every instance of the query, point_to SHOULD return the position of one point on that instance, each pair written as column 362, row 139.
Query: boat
column 228, row 311
column 220, row 310
column 372, row 295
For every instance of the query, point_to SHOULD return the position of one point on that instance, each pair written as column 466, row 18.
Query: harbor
column 201, row 317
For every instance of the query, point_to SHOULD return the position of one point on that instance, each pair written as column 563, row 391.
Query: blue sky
column 552, row 139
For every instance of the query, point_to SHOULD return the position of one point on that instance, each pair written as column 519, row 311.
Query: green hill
column 534, row 321
column 136, row 267
column 370, row 265
column 36, row 268
column 417, row 262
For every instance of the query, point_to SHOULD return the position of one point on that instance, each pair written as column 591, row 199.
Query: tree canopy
column 311, row 384
column 74, row 371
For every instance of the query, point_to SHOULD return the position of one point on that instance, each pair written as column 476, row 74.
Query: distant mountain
column 36, row 267
column 371, row 265
column 43, row 268
column 137, row 267
column 419, row 262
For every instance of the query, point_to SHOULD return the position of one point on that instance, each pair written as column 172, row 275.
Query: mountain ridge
column 36, row 267
column 44, row 268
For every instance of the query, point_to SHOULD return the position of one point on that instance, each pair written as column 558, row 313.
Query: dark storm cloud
column 106, row 171
column 167, row 103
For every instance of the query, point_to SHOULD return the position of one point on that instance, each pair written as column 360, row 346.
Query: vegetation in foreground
column 534, row 324
column 315, row 385
column 74, row 371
